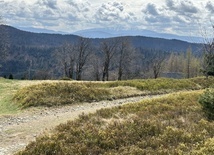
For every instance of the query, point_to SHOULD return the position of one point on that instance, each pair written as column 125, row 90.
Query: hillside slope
column 30, row 53
column 172, row 124
column 24, row 38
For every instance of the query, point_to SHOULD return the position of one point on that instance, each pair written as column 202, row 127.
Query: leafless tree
column 83, row 50
column 66, row 56
column 157, row 62
column 125, row 56
column 96, row 65
column 188, row 61
column 109, row 48
column 208, row 65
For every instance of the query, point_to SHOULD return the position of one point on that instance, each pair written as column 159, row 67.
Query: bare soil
column 16, row 131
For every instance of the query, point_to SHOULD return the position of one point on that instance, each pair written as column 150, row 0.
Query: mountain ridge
column 107, row 33
column 103, row 33
column 22, row 37
column 35, row 51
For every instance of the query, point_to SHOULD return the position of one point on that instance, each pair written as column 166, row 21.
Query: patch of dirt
column 16, row 131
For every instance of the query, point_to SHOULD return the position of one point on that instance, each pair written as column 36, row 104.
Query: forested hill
column 40, row 55
column 23, row 38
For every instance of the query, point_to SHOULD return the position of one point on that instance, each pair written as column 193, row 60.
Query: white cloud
column 182, row 17
column 178, row 16
column 114, row 13
column 182, row 7
column 151, row 9
column 48, row 3
column 210, row 6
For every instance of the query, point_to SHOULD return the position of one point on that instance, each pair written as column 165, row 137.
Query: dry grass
column 24, row 91
column 173, row 124
column 52, row 93
column 8, row 88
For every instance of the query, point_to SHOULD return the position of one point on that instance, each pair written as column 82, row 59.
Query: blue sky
column 182, row 17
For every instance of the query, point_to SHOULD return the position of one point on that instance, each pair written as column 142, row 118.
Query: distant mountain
column 33, row 53
column 111, row 32
column 24, row 38
column 40, row 30
column 108, row 33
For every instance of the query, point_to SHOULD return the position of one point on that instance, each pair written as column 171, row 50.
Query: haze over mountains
column 112, row 32
column 108, row 33
column 24, row 38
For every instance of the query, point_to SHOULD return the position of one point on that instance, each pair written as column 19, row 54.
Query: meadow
column 169, row 125
column 55, row 93
column 173, row 124
column 16, row 95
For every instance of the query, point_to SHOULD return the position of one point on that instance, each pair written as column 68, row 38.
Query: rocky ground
column 16, row 131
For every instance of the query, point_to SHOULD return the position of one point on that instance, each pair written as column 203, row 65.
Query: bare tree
column 208, row 65
column 66, row 56
column 96, row 65
column 83, row 49
column 73, row 57
column 108, row 48
column 157, row 63
column 188, row 61
column 125, row 56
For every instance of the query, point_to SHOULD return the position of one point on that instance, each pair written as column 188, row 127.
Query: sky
column 181, row 17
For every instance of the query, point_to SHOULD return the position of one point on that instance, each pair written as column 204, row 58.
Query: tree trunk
column 120, row 72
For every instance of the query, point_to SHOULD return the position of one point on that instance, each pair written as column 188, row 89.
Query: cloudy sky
column 183, row 17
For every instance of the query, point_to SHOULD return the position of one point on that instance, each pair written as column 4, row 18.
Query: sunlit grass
column 7, row 90
column 172, row 124
column 69, row 92
column 44, row 93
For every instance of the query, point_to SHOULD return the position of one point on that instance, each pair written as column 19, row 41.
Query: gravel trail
column 16, row 131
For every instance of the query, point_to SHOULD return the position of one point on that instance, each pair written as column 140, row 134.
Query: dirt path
column 16, row 131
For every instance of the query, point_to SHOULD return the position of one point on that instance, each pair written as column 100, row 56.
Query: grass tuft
column 59, row 93
column 158, row 85
column 173, row 124
column 65, row 92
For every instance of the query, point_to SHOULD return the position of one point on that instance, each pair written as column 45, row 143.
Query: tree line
column 76, row 59
column 117, row 59
column 110, row 59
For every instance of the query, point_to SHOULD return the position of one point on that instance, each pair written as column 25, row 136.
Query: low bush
column 169, row 125
column 68, row 92
column 59, row 93
column 207, row 102
column 158, row 85
column 206, row 149
column 66, row 78
column 203, row 82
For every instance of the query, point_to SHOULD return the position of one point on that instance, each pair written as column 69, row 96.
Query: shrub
column 203, row 82
column 11, row 76
column 169, row 125
column 207, row 148
column 207, row 102
column 158, row 86
column 67, row 92
column 59, row 93
column 66, row 78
